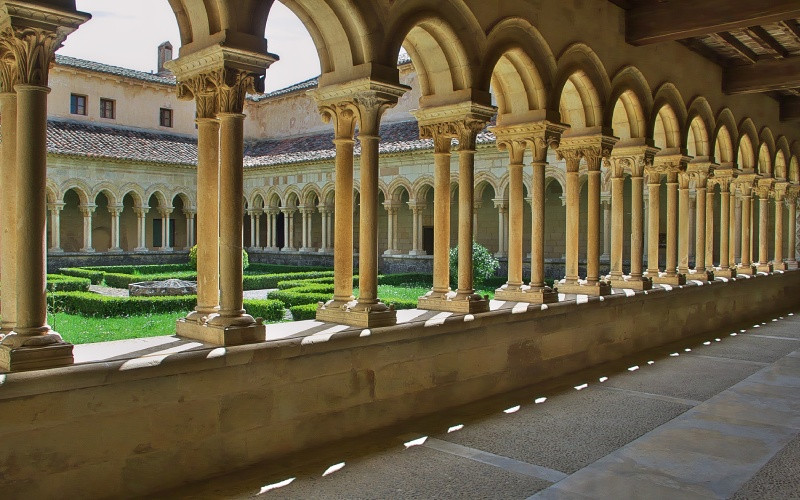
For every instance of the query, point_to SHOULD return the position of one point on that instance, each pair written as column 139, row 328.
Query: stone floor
column 716, row 417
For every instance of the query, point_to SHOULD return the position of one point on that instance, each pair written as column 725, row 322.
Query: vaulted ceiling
column 757, row 42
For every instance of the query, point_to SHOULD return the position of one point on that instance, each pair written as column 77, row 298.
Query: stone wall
column 133, row 427
column 55, row 261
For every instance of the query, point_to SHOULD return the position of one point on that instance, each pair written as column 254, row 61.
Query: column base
column 141, row 249
column 358, row 315
column 791, row 265
column 700, row 275
column 115, row 250
column 746, row 270
column 288, row 249
column 391, row 252
column 321, row 250
column 88, row 250
column 452, row 302
column 639, row 284
column 596, row 289
column 674, row 280
column 55, row 250
column 724, row 273
column 417, row 252
column 501, row 255
column 765, row 268
column 18, row 353
column 308, row 250
column 220, row 334
column 779, row 266
column 529, row 294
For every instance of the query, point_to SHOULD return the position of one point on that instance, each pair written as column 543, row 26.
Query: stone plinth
column 764, row 268
column 746, row 270
column 525, row 293
column 700, row 275
column 220, row 335
column 452, row 302
column 641, row 284
column 596, row 289
column 665, row 279
column 354, row 314
column 164, row 288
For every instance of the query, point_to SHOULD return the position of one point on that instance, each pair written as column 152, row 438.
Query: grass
column 83, row 330
column 389, row 292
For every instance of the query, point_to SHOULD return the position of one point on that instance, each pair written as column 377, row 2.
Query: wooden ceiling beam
column 740, row 48
column 654, row 22
column 776, row 74
column 767, row 42
column 792, row 29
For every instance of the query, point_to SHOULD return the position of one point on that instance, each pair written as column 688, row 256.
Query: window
column 108, row 108
column 165, row 117
column 77, row 104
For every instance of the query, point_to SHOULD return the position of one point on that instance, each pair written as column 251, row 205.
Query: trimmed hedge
column 63, row 283
column 261, row 281
column 96, row 277
column 261, row 268
column 119, row 280
column 406, row 279
column 296, row 296
column 304, row 311
column 143, row 269
column 92, row 304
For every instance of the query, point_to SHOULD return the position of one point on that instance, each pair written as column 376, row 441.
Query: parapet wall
column 135, row 426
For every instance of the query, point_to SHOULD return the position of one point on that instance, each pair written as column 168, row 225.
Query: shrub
column 299, row 296
column 261, row 281
column 118, row 280
column 400, row 303
column 484, row 265
column 63, row 283
column 327, row 280
column 261, row 268
column 143, row 269
column 406, row 279
column 270, row 310
column 304, row 311
column 92, row 304
column 96, row 277
column 193, row 258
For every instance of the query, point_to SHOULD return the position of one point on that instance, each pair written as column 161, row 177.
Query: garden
column 91, row 304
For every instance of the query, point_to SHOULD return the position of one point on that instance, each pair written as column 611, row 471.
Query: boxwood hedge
column 63, row 283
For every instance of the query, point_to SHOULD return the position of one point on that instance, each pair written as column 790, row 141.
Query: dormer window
column 77, row 104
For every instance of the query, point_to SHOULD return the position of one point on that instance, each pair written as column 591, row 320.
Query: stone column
column 606, row 206
column 672, row 225
column 791, row 203
column 617, row 225
column 475, row 207
column 736, row 238
column 653, row 213
column 141, row 228
column 165, row 233
column 87, row 211
column 709, row 234
column 779, row 194
column 9, row 202
column 764, row 190
column 288, row 229
column 416, row 227
column 684, row 226
column 55, row 226
column 700, row 272
column 190, row 239
column 692, row 237
column 515, row 140
column 323, row 212
column 115, row 211
column 441, row 215
column 273, row 228
column 725, row 211
column 29, row 40
column 746, row 266
column 253, row 228
column 391, row 218
column 593, row 150
column 501, row 206
column 637, row 281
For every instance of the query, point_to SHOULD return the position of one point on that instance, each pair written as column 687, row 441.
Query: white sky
column 127, row 33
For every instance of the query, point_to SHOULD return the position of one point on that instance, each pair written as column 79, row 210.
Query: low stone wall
column 56, row 261
column 124, row 428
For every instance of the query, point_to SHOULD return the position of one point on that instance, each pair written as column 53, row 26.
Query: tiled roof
column 107, row 141
column 113, row 70
column 72, row 138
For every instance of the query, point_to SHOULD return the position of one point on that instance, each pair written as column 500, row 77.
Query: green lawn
column 388, row 292
column 83, row 330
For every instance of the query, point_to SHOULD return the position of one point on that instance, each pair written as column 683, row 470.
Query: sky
column 127, row 34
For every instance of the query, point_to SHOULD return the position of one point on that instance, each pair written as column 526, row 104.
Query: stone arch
column 187, row 200
column 327, row 193
column 420, row 187
column 520, row 67
column 747, row 144
column 136, row 192
column 393, row 189
column 766, row 152
column 52, row 193
column 669, row 115
column 444, row 42
column 309, row 192
column 159, row 191
column 291, row 197
column 555, row 174
column 725, row 131
column 80, row 188
column 257, row 198
column 699, row 128
column 782, row 157
column 581, row 87
column 109, row 190
column 630, row 100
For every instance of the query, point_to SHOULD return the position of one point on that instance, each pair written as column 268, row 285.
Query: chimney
column 164, row 55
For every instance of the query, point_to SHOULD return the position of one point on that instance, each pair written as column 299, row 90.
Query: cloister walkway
column 717, row 416
column 707, row 423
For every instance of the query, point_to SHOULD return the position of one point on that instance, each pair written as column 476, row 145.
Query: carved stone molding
column 631, row 159
column 538, row 136
column 593, row 149
column 462, row 121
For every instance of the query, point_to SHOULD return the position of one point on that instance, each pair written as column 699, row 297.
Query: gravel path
column 121, row 292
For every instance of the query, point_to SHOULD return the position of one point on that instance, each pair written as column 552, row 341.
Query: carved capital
column 539, row 136
column 141, row 211
column 630, row 159
column 88, row 210
column 593, row 149
column 462, row 121
column 791, row 196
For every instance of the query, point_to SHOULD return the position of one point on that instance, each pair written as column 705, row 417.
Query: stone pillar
column 288, row 229
column 305, row 240
column 29, row 40
column 791, row 203
column 606, row 205
column 441, row 216
column 637, row 281
column 736, row 238
column 141, row 228
column 273, row 228
column 746, row 266
column 593, row 150
column 684, row 225
column 709, row 234
column 165, row 213
column 617, row 225
column 672, row 225
column 515, row 140
column 416, row 227
column 391, row 218
column 253, row 228
column 672, row 165
column 55, row 226
column 779, row 194
column 9, row 202
column 653, row 213
column 115, row 211
column 501, row 205
column 692, row 227
column 87, row 211
column 475, row 207
column 702, row 264
column 323, row 212
column 725, row 211
column 764, row 190
column 190, row 239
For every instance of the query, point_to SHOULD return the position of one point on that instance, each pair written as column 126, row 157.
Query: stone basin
column 162, row 288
